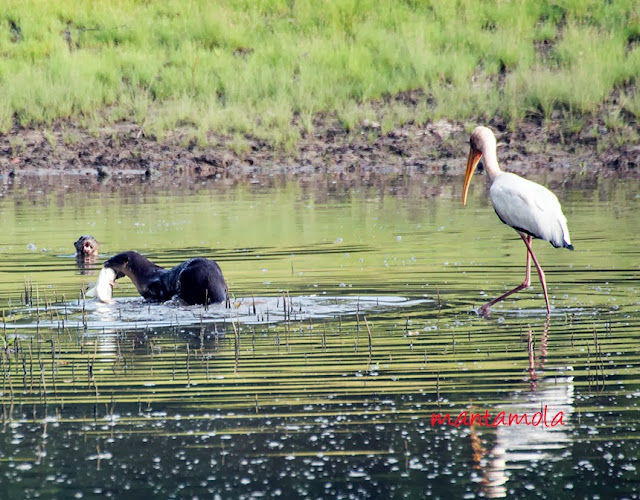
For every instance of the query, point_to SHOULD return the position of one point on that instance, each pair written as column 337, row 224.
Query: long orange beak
column 472, row 163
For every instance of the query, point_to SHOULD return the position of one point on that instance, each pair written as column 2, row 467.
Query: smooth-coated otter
column 86, row 247
column 196, row 281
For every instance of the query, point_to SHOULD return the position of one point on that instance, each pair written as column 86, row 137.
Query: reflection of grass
column 265, row 69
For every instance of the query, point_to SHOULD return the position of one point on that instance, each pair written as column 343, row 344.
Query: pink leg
column 525, row 284
column 527, row 281
column 527, row 241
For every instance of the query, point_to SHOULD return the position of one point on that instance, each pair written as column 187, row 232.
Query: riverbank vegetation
column 270, row 69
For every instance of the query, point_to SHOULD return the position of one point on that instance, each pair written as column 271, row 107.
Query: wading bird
column 531, row 209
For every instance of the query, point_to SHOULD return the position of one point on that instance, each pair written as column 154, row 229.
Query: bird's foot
column 485, row 311
column 481, row 311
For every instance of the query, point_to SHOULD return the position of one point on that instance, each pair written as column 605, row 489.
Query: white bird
column 531, row 209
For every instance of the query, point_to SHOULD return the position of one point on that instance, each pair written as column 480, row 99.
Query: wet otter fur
column 195, row 281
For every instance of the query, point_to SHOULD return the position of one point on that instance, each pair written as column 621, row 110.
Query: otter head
column 136, row 267
column 86, row 246
column 120, row 264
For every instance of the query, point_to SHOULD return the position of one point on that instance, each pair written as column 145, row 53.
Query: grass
column 265, row 69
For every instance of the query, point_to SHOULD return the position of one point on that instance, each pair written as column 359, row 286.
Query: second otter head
column 86, row 246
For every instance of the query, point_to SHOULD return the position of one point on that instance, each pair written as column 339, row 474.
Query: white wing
column 530, row 208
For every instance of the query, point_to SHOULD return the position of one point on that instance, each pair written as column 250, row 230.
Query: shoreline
column 123, row 150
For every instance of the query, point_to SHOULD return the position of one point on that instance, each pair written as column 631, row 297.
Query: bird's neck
column 491, row 164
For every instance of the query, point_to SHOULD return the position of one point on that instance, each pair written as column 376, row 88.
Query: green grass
column 265, row 69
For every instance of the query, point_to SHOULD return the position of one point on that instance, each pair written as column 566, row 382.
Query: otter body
column 196, row 281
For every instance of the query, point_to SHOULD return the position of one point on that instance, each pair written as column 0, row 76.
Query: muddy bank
column 123, row 150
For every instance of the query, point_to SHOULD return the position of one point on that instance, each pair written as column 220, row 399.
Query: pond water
column 350, row 334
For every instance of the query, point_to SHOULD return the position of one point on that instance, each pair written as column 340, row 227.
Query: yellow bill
column 472, row 163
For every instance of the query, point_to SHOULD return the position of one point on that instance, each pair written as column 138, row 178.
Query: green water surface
column 352, row 325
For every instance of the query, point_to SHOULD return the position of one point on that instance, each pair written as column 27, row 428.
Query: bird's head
column 481, row 140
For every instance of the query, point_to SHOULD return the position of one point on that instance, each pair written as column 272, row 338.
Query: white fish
column 104, row 285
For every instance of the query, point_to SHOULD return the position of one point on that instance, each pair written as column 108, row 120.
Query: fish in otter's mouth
column 104, row 285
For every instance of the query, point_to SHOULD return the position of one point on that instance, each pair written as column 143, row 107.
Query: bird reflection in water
column 497, row 451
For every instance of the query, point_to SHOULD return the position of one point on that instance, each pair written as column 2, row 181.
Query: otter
column 86, row 248
column 195, row 281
